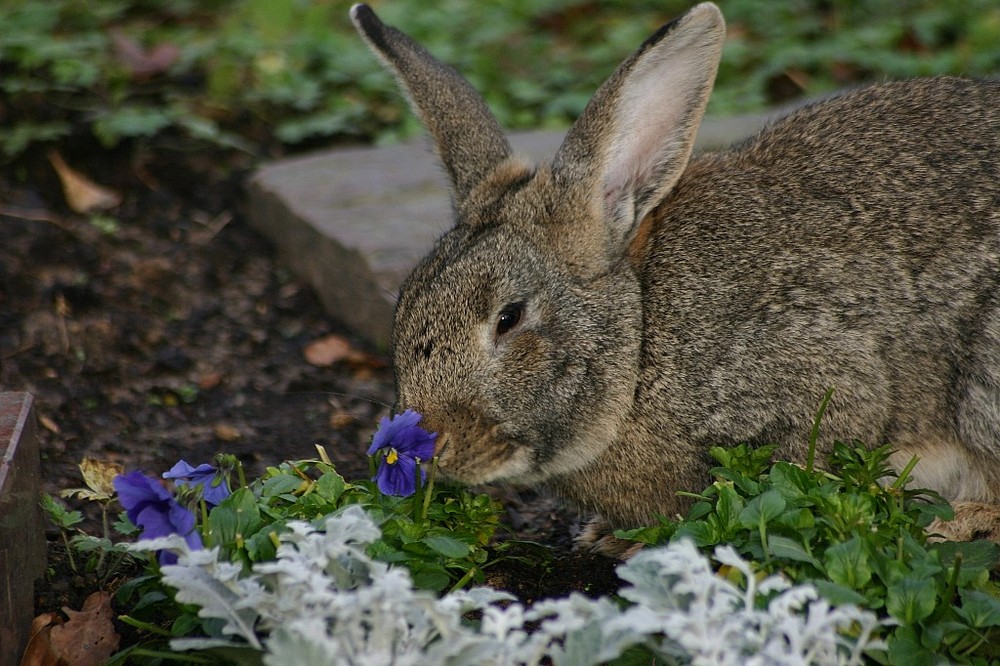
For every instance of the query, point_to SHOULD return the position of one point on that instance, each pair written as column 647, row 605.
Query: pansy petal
column 420, row 444
column 397, row 478
column 214, row 493
column 179, row 471
column 136, row 490
column 381, row 436
column 181, row 519
column 213, row 489
column 155, row 522
column 185, row 472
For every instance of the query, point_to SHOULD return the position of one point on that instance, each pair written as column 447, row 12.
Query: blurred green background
column 267, row 77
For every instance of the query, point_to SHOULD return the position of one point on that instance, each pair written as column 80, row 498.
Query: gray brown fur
column 672, row 304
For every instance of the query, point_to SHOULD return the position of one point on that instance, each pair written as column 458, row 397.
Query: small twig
column 212, row 229
column 20, row 350
column 62, row 312
column 35, row 215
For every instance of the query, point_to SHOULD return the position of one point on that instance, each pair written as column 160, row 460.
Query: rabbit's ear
column 469, row 140
column 632, row 142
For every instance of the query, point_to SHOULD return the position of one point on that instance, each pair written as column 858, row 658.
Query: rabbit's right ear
column 632, row 142
column 468, row 139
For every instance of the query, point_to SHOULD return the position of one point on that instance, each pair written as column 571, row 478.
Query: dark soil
column 166, row 330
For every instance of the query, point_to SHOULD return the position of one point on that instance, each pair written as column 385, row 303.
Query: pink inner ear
column 656, row 116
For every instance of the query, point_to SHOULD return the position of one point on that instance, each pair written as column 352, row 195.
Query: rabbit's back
column 852, row 245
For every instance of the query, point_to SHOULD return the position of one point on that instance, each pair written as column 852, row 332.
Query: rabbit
column 596, row 324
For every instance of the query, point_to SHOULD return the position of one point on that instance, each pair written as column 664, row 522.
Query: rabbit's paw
column 973, row 520
column 597, row 536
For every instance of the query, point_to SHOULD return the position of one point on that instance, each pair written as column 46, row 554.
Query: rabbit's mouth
column 476, row 456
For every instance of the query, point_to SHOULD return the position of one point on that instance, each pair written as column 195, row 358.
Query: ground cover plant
column 776, row 562
column 256, row 75
column 164, row 328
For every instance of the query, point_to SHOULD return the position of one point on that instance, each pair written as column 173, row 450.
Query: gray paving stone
column 353, row 222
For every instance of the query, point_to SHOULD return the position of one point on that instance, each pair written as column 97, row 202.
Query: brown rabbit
column 596, row 324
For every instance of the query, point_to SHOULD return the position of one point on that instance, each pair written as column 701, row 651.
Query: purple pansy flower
column 214, row 488
column 401, row 443
column 151, row 506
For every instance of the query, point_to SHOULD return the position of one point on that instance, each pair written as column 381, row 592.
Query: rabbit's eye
column 509, row 317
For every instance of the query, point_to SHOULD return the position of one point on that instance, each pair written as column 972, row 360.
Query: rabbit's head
column 520, row 336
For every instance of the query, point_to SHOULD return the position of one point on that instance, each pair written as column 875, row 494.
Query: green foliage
column 857, row 533
column 60, row 516
column 251, row 74
column 103, row 556
column 440, row 535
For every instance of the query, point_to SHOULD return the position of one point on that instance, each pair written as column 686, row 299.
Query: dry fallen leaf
column 328, row 350
column 82, row 194
column 50, row 425
column 38, row 651
column 98, row 476
column 341, row 419
column 88, row 638
column 209, row 380
column 226, row 432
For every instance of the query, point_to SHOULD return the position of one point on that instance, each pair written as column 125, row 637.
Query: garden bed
column 168, row 331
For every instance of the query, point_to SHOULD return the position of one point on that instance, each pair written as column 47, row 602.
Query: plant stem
column 145, row 626
column 814, row 435
column 463, row 581
column 107, row 535
column 241, row 474
column 69, row 551
column 949, row 592
column 418, row 495
column 904, row 475
column 430, row 489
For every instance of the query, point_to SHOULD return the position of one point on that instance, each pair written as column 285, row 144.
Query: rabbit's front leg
column 597, row 536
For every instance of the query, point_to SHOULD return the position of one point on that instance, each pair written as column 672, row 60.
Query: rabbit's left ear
column 469, row 140
column 633, row 141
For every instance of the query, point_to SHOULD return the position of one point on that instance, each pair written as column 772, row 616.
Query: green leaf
column 15, row 140
column 58, row 514
column 699, row 510
column 911, row 599
column 431, row 578
column 979, row 609
column 235, row 520
column 762, row 509
column 701, row 533
column 905, row 650
column 976, row 555
column 331, row 486
column 728, row 508
column 839, row 594
column 847, row 564
column 281, row 485
column 259, row 546
column 789, row 549
column 448, row 546
column 790, row 480
column 128, row 122
column 796, row 519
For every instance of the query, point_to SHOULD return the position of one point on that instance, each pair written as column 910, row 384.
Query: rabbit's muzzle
column 473, row 449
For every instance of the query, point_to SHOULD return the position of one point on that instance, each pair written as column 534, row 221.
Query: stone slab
column 22, row 540
column 353, row 222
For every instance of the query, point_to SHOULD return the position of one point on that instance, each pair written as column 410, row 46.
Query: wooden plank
column 22, row 541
